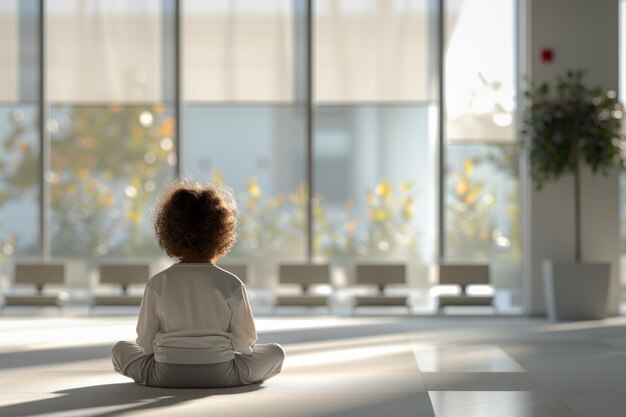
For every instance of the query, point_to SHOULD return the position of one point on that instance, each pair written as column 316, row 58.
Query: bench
column 463, row 275
column 304, row 275
column 380, row 275
column 39, row 275
column 123, row 275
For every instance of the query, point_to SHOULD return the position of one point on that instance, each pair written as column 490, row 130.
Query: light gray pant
column 265, row 362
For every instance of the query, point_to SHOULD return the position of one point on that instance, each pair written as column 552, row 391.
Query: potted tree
column 566, row 125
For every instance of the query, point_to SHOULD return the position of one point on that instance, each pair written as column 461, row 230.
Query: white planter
column 576, row 290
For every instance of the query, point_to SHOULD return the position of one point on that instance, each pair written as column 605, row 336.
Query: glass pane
column 622, row 179
column 106, row 50
column 263, row 160
column 107, row 163
column 240, row 50
column 374, row 50
column 19, row 136
column 622, row 229
column 480, row 70
column 375, row 186
column 19, row 181
column 483, row 221
column 111, row 127
column 18, row 50
column 9, row 50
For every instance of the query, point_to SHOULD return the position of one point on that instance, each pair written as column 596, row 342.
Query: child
column 195, row 326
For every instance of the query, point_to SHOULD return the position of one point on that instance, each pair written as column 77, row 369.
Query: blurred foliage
column 476, row 226
column 388, row 231
column 470, row 227
column 19, row 167
column 106, row 163
column 567, row 122
column 506, row 160
column 622, row 193
column 391, row 215
column 277, row 223
column 272, row 223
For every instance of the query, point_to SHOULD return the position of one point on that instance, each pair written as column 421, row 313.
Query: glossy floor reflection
column 463, row 358
column 336, row 366
column 497, row 404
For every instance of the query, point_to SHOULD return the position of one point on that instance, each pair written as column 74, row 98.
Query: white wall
column 583, row 34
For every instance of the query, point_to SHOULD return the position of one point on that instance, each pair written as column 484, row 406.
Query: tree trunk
column 577, row 204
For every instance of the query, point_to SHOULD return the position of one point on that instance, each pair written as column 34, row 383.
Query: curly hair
column 196, row 222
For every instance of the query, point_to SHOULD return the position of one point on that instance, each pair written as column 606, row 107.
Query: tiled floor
column 336, row 366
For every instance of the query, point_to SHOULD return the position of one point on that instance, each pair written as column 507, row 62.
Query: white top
column 195, row 313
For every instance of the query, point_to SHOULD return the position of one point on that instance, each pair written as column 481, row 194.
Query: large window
column 622, row 178
column 244, row 121
column 123, row 78
column 482, row 214
column 19, row 140
column 482, row 192
column 375, row 134
column 110, row 124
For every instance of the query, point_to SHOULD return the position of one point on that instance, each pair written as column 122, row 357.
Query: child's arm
column 241, row 322
column 147, row 323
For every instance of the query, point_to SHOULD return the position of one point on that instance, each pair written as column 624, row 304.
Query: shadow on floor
column 9, row 360
column 64, row 355
column 401, row 405
column 365, row 329
column 115, row 399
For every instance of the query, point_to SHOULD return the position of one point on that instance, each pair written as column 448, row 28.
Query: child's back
column 196, row 313
column 195, row 325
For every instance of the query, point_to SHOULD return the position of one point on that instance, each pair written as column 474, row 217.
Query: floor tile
column 563, row 349
column 619, row 342
column 583, row 382
column 314, row 405
column 498, row 404
column 596, row 405
column 457, row 358
column 55, row 356
column 615, row 362
column 583, row 356
column 352, row 383
column 50, row 382
column 601, row 329
column 350, row 362
column 78, row 405
column 109, row 383
column 481, row 381
column 346, row 367
column 271, row 405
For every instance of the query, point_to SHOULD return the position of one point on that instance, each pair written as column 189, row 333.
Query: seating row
column 306, row 276
column 41, row 274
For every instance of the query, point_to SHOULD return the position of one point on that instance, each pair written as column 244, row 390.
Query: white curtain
column 238, row 50
column 9, row 51
column 365, row 50
column 105, row 51
column 373, row 51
